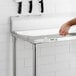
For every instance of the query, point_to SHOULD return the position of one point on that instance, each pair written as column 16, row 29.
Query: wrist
column 69, row 24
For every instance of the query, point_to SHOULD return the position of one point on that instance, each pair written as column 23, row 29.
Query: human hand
column 64, row 29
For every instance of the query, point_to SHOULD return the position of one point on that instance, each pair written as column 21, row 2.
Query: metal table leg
column 14, row 56
column 34, row 59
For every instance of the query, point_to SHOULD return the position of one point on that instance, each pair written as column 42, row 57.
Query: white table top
column 45, row 35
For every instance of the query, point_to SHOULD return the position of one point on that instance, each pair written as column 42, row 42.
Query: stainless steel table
column 37, row 37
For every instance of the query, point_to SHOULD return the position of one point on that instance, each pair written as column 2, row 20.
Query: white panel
column 49, row 7
column 3, row 72
column 17, row 0
column 62, row 58
column 53, row 57
column 25, row 72
column 63, row 73
column 72, row 6
column 45, row 50
column 35, row 22
column 38, row 22
column 72, row 72
column 62, row 66
column 25, row 7
column 66, row 72
column 63, row 6
column 45, row 60
column 46, row 68
column 73, row 47
column 24, row 58
column 46, row 74
column 62, row 49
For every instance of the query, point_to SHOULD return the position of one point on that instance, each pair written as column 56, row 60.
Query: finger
column 60, row 31
column 63, row 33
